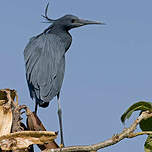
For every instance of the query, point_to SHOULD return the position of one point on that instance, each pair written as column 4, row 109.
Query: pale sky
column 108, row 67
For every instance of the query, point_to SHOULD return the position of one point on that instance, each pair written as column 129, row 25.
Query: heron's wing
column 44, row 56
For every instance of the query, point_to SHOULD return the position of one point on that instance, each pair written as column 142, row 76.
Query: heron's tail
column 42, row 103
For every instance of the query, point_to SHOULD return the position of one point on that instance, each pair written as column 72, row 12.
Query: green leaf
column 147, row 150
column 142, row 105
column 146, row 124
column 148, row 144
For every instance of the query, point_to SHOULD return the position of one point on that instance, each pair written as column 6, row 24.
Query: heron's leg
column 60, row 120
column 36, row 105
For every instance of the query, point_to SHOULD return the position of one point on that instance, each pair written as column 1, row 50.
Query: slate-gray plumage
column 45, row 64
column 44, row 58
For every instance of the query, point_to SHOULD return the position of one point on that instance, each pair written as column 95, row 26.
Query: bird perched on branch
column 44, row 58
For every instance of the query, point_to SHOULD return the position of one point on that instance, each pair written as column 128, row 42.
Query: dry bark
column 14, row 134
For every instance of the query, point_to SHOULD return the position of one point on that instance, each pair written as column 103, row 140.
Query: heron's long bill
column 87, row 22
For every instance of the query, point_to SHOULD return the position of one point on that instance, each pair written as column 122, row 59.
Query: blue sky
column 108, row 67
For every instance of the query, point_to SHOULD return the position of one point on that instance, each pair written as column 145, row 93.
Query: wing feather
column 45, row 65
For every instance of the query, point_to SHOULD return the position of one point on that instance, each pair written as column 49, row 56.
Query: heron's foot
column 61, row 145
column 62, row 142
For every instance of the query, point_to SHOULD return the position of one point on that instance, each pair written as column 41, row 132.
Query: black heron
column 44, row 58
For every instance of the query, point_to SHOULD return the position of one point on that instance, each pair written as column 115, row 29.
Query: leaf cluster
column 145, row 124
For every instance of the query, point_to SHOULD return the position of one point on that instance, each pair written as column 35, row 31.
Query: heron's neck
column 54, row 29
column 63, row 34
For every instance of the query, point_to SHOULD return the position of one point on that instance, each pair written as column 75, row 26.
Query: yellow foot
column 61, row 145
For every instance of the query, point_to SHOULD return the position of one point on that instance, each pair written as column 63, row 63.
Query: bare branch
column 126, row 133
column 23, row 139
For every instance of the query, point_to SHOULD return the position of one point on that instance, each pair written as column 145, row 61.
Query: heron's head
column 69, row 21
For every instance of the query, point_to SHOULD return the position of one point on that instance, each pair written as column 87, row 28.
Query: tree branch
column 126, row 133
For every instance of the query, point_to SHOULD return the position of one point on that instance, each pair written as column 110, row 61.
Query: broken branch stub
column 13, row 133
column 35, row 124
column 23, row 139
column 5, row 112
